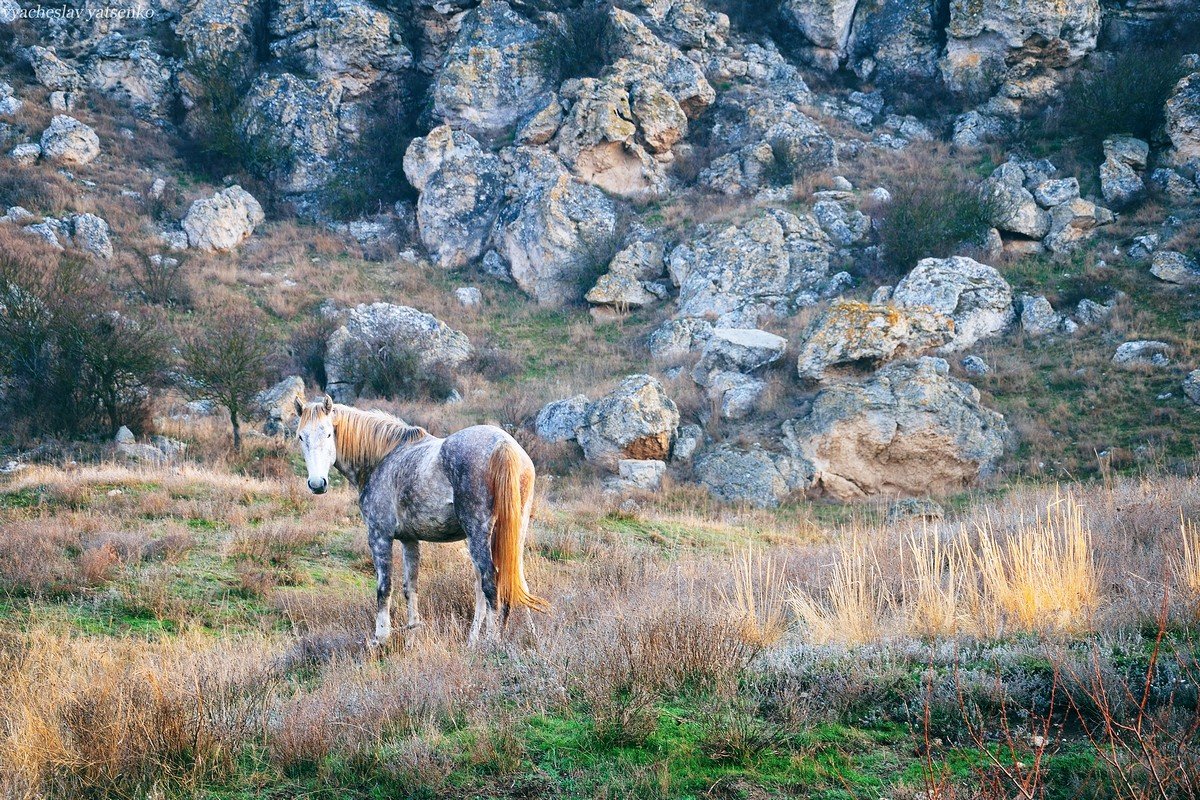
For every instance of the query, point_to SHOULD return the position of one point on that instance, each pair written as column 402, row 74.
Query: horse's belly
column 430, row 518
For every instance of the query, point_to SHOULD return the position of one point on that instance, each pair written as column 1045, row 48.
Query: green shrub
column 391, row 369
column 1125, row 95
column 930, row 215
column 369, row 175
column 73, row 360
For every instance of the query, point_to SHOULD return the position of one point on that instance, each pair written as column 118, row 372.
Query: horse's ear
column 328, row 404
column 299, row 404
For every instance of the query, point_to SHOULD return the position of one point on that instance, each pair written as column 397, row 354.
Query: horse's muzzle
column 318, row 485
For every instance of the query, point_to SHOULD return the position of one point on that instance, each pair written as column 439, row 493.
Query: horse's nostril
column 318, row 486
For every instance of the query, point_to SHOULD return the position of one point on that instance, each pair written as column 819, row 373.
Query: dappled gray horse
column 476, row 484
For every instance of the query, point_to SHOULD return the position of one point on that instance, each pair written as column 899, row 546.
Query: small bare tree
column 227, row 362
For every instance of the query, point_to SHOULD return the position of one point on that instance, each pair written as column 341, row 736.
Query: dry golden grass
column 855, row 602
column 757, row 602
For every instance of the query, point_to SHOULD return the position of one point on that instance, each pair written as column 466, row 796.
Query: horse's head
column 315, row 432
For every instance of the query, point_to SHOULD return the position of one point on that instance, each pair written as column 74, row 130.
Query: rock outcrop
column 974, row 296
column 69, row 141
column 765, row 267
column 367, row 329
column 220, row 223
column 555, row 231
column 750, row 475
column 1183, row 119
column 292, row 127
column 461, row 189
column 636, row 420
column 910, row 429
column 560, row 420
column 855, row 333
column 494, row 73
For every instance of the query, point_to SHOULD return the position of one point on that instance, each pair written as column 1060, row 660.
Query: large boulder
column 292, row 126
column 602, row 143
column 494, row 73
column 640, row 56
column 220, row 223
column 1183, row 119
column 276, row 406
column 560, row 420
column 1015, row 43
column 1012, row 207
column 1073, row 223
column 975, row 297
column 737, row 350
column 1120, row 179
column 772, row 141
column 461, row 190
column 750, row 475
column 893, row 42
column 132, row 72
column 90, row 233
column 910, row 429
column 767, row 266
column 825, row 24
column 349, row 42
column 367, row 329
column 852, row 332
column 636, row 420
column 1145, row 352
column 630, row 280
column 556, row 232
column 676, row 338
column 1175, row 267
column 221, row 36
column 52, row 72
column 69, row 141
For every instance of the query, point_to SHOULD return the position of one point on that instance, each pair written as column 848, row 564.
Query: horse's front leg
column 380, row 542
column 412, row 565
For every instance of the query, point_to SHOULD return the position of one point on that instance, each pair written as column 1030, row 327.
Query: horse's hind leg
column 380, row 542
column 412, row 565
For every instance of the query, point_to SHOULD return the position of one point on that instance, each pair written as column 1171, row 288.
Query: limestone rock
column 349, row 42
column 636, row 420
column 1191, row 386
column 1012, row 207
column 1038, row 317
column 974, row 365
column 220, row 223
column 640, row 55
column 1174, row 267
column 910, row 429
column 1073, row 223
column 894, row 42
column 749, row 475
column 624, row 286
column 738, row 350
column 641, row 474
column 994, row 42
column 676, row 338
column 1055, row 192
column 851, row 332
column 975, row 296
column 735, row 394
column 221, row 34
column 555, row 230
column 69, row 141
column 1120, row 182
column 295, row 123
column 468, row 297
column 845, row 226
column 132, row 72
column 90, row 233
column 1183, row 119
column 561, row 420
column 767, row 266
column 25, row 154
column 1148, row 352
column 493, row 76
column 825, row 24
column 369, row 328
column 276, row 406
column 52, row 72
column 461, row 190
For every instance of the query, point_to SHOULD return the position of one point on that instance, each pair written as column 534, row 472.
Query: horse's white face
column 317, row 443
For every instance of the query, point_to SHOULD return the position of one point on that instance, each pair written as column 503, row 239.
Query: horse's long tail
column 511, row 484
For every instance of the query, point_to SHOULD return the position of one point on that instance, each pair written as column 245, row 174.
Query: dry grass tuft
column 856, row 600
column 757, row 602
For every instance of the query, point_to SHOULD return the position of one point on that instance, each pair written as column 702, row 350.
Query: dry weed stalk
column 756, row 603
column 856, row 598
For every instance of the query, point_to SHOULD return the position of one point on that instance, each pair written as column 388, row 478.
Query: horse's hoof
column 412, row 626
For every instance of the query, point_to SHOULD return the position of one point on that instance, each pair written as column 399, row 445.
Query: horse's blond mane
column 363, row 438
